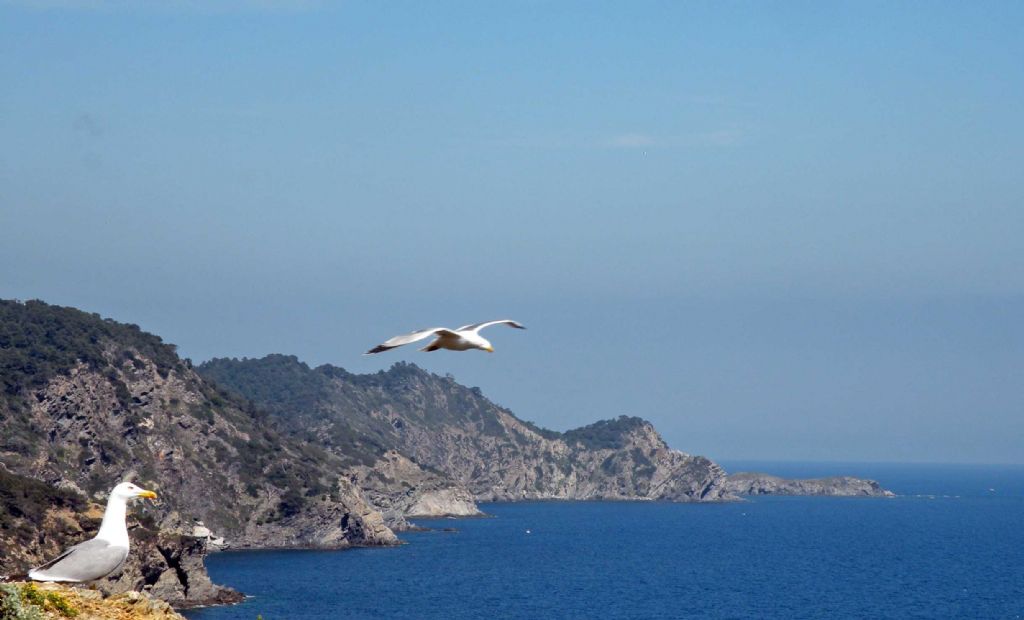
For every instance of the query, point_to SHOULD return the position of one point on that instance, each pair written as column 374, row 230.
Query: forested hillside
column 88, row 402
column 444, row 426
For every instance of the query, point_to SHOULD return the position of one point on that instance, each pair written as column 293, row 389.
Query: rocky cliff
column 408, row 432
column 273, row 453
column 748, row 483
column 401, row 489
column 88, row 402
column 454, row 430
column 39, row 521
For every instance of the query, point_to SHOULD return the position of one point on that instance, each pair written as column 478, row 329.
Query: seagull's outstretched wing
column 415, row 336
column 475, row 327
column 85, row 561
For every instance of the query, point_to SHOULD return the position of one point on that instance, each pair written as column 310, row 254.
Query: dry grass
column 58, row 601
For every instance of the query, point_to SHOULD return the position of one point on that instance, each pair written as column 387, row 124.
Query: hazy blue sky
column 777, row 230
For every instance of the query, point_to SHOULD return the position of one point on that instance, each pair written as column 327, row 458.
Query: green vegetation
column 28, row 602
column 540, row 430
column 327, row 405
column 39, row 342
column 280, row 383
column 57, row 602
column 643, row 467
column 24, row 502
column 14, row 607
column 604, row 435
column 294, row 395
column 330, row 405
column 47, row 601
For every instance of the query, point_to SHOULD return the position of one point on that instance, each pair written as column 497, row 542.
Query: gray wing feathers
column 475, row 327
column 417, row 335
column 86, row 561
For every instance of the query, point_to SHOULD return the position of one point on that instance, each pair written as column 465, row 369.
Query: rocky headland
column 264, row 453
column 456, row 433
column 87, row 402
column 750, row 483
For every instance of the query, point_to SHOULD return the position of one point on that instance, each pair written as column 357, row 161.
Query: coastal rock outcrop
column 87, row 402
column 272, row 453
column 749, row 483
column 37, row 522
column 444, row 427
column 399, row 489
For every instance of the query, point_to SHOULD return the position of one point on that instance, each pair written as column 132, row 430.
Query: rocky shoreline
column 752, row 483
column 270, row 453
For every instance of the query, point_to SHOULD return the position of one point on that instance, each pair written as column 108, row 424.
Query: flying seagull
column 102, row 555
column 462, row 339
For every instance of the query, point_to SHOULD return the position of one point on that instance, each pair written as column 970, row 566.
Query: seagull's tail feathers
column 40, row 575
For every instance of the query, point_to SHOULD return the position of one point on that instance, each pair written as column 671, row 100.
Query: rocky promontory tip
column 753, row 483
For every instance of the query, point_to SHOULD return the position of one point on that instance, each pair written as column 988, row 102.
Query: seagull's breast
column 469, row 340
column 455, row 343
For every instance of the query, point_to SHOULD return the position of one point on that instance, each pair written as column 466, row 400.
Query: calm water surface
column 952, row 546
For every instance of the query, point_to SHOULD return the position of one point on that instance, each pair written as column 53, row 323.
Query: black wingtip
column 377, row 349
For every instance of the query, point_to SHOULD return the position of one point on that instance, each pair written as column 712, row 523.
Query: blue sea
column 951, row 546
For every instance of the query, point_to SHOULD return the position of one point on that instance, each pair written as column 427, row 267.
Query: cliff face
column 512, row 461
column 400, row 488
column 477, row 445
column 88, row 402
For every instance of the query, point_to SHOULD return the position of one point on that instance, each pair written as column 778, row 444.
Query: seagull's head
column 127, row 491
column 486, row 346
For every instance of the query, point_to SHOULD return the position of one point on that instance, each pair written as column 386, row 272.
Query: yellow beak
column 489, row 349
column 148, row 494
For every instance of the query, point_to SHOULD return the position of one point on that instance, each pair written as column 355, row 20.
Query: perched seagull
column 462, row 339
column 102, row 555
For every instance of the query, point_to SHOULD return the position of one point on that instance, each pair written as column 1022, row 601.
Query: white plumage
column 102, row 555
column 462, row 339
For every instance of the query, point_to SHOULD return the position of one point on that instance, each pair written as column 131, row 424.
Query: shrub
column 13, row 605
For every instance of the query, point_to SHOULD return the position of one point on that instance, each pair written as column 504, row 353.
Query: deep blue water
column 949, row 547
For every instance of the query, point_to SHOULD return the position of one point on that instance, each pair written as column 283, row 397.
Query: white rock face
column 444, row 503
column 399, row 488
column 213, row 542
